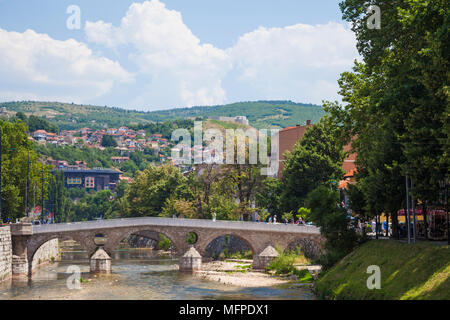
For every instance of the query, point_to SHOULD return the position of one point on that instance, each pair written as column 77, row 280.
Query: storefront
column 436, row 219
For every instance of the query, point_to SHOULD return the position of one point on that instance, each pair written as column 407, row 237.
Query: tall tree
column 315, row 160
column 21, row 171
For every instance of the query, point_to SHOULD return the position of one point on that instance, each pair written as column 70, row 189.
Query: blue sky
column 173, row 53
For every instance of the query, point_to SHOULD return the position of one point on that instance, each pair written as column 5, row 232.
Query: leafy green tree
column 396, row 103
column 19, row 161
column 129, row 167
column 315, row 160
column 108, row 141
column 334, row 223
column 153, row 186
column 59, row 203
column 269, row 195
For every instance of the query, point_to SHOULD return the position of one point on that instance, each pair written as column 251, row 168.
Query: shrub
column 164, row 243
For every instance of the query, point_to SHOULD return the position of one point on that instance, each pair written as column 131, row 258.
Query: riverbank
column 419, row 271
column 238, row 273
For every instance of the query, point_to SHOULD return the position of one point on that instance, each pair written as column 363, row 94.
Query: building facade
column 92, row 179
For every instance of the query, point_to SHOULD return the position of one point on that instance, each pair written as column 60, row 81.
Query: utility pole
column 407, row 213
column 446, row 210
column 42, row 194
column 1, row 175
column 26, row 186
column 413, row 205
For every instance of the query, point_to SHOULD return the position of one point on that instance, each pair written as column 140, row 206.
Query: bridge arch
column 115, row 237
column 310, row 247
column 205, row 239
column 39, row 241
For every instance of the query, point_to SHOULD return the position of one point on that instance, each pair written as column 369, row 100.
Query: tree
column 315, row 160
column 269, row 196
column 334, row 224
column 153, row 186
column 108, row 141
column 396, row 102
column 19, row 161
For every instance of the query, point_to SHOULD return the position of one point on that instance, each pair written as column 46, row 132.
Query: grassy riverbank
column 420, row 271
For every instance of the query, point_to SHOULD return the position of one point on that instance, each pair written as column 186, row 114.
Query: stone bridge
column 27, row 238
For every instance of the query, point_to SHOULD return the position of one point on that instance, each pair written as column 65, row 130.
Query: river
column 137, row 274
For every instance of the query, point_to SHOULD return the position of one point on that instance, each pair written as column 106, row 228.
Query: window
column 89, row 182
column 73, row 180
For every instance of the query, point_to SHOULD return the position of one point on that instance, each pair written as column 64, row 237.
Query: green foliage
column 418, row 272
column 108, row 141
column 268, row 196
column 93, row 157
column 152, row 187
column 35, row 123
column 397, row 104
column 164, row 243
column 191, row 238
column 334, row 224
column 18, row 158
column 94, row 205
column 287, row 216
column 240, row 255
column 164, row 128
column 303, row 213
column 285, row 263
column 316, row 160
column 261, row 114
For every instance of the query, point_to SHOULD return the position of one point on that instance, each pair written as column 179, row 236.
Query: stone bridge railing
column 258, row 236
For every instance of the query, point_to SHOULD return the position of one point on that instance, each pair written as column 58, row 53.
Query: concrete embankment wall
column 5, row 253
column 49, row 251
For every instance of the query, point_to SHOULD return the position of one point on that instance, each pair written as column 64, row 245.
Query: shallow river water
column 136, row 274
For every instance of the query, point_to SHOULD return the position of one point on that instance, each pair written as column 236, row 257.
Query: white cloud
column 166, row 52
column 299, row 62
column 35, row 66
column 171, row 67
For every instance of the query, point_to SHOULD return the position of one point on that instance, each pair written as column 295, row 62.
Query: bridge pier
column 262, row 260
column 100, row 262
column 191, row 261
column 21, row 233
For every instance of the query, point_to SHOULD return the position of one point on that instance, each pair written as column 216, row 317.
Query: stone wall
column 5, row 253
column 49, row 251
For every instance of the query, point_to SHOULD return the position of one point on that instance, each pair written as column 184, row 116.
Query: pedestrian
column 270, row 219
column 274, row 219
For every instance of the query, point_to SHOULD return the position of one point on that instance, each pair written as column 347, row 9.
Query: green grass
column 420, row 271
column 240, row 255
column 285, row 263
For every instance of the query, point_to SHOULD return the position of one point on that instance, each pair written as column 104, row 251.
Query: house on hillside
column 40, row 135
column 91, row 179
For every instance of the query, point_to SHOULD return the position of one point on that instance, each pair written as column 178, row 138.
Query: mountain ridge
column 261, row 114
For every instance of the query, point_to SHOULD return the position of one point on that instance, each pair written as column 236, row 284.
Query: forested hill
column 261, row 114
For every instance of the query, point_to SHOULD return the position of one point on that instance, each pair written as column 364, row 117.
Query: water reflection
column 136, row 274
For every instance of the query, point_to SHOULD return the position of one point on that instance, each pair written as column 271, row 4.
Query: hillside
column 261, row 114
column 420, row 271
